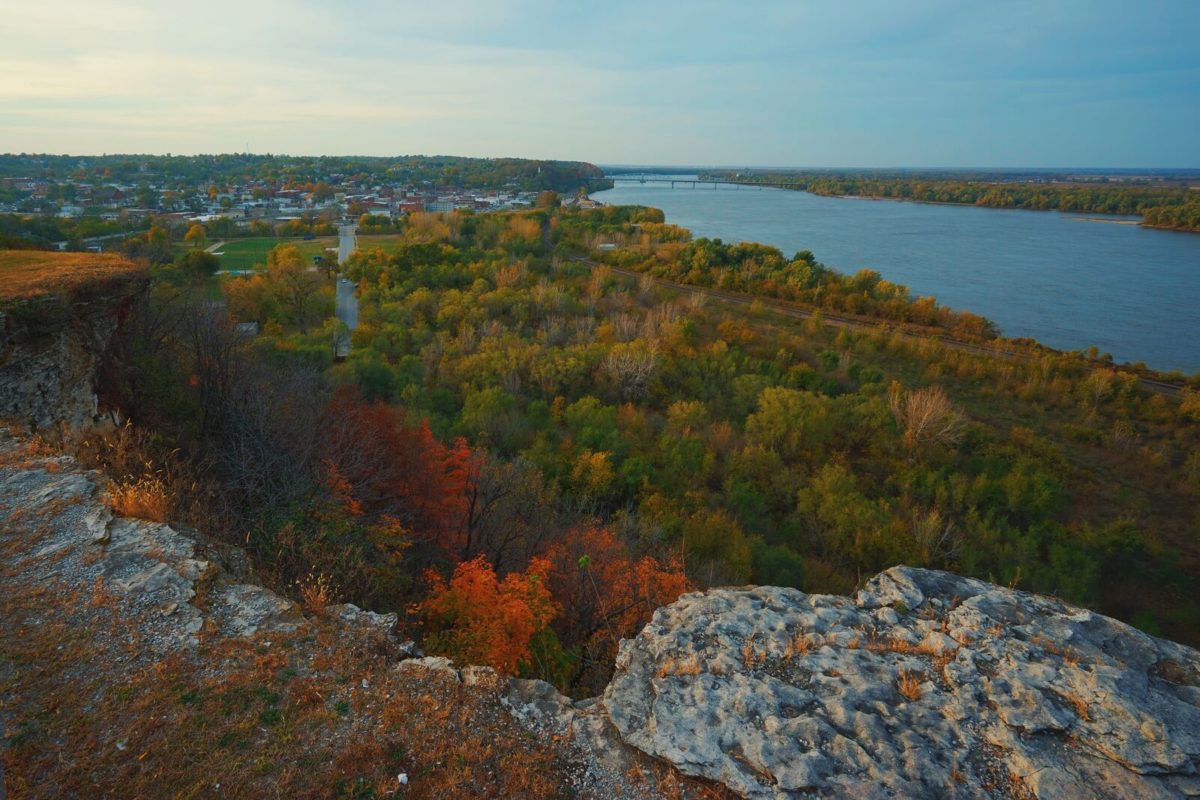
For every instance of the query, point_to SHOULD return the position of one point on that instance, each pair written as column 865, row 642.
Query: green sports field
column 240, row 254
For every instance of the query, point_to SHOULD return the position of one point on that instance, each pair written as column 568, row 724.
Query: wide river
column 1064, row 279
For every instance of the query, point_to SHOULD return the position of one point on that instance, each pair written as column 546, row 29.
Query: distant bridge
column 714, row 182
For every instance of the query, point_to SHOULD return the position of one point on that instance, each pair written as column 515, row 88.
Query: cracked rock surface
column 167, row 577
column 925, row 684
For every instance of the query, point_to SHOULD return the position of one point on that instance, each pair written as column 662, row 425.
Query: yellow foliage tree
column 196, row 235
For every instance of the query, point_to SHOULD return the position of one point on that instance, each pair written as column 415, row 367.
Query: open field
column 238, row 254
column 26, row 274
column 241, row 254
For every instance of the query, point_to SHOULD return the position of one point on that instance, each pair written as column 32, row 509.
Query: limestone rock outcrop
column 52, row 349
column 923, row 685
column 174, row 580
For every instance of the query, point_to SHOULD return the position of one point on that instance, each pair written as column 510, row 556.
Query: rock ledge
column 923, row 685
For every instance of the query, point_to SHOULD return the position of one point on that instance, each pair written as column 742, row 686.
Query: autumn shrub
column 926, row 416
column 476, row 618
column 145, row 498
column 146, row 478
column 322, row 552
column 1189, row 405
column 393, row 468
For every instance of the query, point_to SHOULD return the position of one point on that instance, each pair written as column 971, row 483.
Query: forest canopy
column 520, row 427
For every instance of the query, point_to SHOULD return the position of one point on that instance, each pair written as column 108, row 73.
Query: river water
column 1064, row 279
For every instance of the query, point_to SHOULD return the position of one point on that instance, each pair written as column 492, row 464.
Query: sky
column 855, row 83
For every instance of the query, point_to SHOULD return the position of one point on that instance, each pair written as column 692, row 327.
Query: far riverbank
column 1164, row 208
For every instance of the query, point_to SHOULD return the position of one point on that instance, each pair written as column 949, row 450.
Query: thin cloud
column 874, row 82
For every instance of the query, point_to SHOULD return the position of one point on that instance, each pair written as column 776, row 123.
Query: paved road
column 212, row 248
column 347, row 303
column 347, row 242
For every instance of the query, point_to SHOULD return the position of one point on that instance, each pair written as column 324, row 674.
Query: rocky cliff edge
column 924, row 684
column 58, row 314
column 141, row 659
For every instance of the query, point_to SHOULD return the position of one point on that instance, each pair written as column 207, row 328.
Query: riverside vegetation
column 1171, row 206
column 526, row 453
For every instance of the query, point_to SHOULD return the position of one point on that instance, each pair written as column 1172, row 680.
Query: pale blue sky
column 870, row 83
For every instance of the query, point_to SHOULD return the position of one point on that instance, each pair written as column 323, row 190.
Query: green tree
column 196, row 266
column 716, row 551
column 796, row 423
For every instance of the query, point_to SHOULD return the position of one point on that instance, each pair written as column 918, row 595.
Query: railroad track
column 1012, row 352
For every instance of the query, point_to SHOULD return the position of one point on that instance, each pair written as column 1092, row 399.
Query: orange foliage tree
column 475, row 618
column 607, row 592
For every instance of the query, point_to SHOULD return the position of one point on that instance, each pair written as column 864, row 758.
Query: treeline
column 191, row 171
column 645, row 244
column 1184, row 217
column 1173, row 207
column 42, row 232
column 771, row 456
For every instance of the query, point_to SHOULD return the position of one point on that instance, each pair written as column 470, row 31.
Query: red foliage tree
column 387, row 467
column 607, row 593
column 475, row 618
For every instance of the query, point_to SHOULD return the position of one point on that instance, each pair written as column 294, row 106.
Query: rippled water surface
column 1062, row 279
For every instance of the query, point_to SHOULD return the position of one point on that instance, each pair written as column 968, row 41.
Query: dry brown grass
column 256, row 716
column 688, row 667
column 1070, row 657
column 145, row 498
column 315, row 714
column 27, row 452
column 316, row 592
column 909, row 684
column 752, row 657
column 1081, row 708
column 149, row 480
column 798, row 645
column 26, row 274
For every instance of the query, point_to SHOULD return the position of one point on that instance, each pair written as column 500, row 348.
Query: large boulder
column 923, row 685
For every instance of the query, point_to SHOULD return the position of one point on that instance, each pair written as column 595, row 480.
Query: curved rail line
column 1012, row 352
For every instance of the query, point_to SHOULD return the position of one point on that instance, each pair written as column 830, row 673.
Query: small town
column 94, row 203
